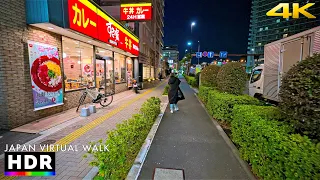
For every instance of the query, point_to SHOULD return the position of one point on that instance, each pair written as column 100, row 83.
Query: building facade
column 264, row 29
column 51, row 50
column 171, row 55
column 150, row 33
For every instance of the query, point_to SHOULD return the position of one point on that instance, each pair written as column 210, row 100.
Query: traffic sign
column 223, row 54
column 199, row 54
column 210, row 54
column 204, row 54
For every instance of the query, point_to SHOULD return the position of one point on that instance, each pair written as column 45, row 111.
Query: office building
column 171, row 55
column 264, row 29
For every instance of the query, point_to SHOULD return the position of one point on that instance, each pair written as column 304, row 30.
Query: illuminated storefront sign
column 133, row 12
column 88, row 19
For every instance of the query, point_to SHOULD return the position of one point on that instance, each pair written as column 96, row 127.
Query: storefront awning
column 74, row 18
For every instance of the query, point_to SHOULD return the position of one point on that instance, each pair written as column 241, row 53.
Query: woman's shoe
column 171, row 111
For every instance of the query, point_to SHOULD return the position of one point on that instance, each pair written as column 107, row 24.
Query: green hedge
column 204, row 93
column 300, row 96
column 191, row 80
column 220, row 105
column 166, row 90
column 232, row 78
column 125, row 142
column 266, row 143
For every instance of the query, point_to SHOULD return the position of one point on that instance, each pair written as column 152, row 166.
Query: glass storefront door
column 104, row 70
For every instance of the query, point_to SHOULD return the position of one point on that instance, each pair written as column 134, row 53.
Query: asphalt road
column 189, row 140
column 14, row 138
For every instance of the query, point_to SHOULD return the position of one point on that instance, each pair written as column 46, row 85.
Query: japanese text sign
column 88, row 19
column 133, row 12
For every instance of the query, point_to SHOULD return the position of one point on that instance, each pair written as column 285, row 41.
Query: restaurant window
column 77, row 64
column 120, row 68
column 129, row 71
column 104, row 69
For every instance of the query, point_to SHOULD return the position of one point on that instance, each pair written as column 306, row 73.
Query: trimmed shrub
column 204, row 93
column 191, row 81
column 232, row 78
column 209, row 76
column 166, row 90
column 266, row 143
column 220, row 105
column 125, row 142
column 197, row 78
column 300, row 96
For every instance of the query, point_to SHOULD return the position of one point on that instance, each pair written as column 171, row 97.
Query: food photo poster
column 46, row 76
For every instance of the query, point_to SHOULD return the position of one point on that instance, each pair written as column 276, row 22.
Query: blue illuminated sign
column 223, row 54
column 205, row 54
column 210, row 54
column 199, row 54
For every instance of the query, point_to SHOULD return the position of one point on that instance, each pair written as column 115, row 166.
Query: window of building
column 278, row 20
column 146, row 72
column 78, row 64
column 119, row 68
column 261, row 29
column 285, row 35
column 129, row 71
column 266, row 28
column 259, row 44
column 285, row 30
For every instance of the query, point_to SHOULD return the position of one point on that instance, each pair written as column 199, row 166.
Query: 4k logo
column 296, row 10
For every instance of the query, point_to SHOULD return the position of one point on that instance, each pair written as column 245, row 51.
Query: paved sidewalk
column 189, row 140
column 81, row 131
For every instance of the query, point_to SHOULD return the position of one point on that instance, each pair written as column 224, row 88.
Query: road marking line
column 81, row 131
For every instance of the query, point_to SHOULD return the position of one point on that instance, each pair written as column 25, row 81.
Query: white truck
column 279, row 57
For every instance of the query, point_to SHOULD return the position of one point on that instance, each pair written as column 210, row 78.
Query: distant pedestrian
column 175, row 94
column 135, row 86
column 160, row 76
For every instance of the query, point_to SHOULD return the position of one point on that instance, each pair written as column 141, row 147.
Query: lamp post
column 189, row 64
column 198, row 50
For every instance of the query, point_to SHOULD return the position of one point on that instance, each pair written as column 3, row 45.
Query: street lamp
column 192, row 24
column 189, row 43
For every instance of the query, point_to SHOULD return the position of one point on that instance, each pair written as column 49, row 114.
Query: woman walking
column 175, row 94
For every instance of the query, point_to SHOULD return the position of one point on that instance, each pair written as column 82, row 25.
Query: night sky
column 220, row 25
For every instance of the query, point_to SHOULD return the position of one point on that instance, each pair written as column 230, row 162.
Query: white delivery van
column 279, row 57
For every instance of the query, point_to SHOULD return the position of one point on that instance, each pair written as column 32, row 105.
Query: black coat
column 174, row 90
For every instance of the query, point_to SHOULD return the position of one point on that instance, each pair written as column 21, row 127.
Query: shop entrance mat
column 168, row 174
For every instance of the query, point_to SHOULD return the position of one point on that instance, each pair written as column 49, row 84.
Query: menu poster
column 46, row 76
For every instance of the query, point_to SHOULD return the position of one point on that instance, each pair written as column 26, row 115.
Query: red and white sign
column 87, row 19
column 134, row 12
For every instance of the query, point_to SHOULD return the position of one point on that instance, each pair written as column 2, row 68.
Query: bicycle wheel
column 106, row 100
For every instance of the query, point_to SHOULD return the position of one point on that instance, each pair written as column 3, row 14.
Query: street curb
column 234, row 149
column 91, row 174
column 139, row 161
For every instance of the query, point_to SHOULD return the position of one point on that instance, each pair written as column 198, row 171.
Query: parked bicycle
column 105, row 99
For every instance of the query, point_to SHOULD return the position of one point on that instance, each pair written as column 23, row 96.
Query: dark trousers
column 136, row 90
